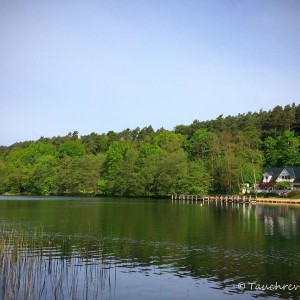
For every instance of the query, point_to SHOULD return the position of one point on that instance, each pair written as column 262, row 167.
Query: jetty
column 195, row 198
column 233, row 199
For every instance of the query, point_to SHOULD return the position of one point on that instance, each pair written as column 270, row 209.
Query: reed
column 31, row 267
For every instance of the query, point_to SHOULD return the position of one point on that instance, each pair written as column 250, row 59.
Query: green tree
column 95, row 143
column 146, row 135
column 147, row 166
column 196, row 180
column 72, row 148
column 269, row 148
column 282, row 151
column 288, row 147
column 202, row 145
column 171, row 168
column 42, row 177
column 169, row 141
column 3, row 176
column 22, row 164
column 80, row 175
column 120, row 175
column 283, row 185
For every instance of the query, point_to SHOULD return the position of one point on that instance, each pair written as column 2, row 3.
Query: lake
column 119, row 248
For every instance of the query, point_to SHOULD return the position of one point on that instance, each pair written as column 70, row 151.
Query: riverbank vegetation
column 216, row 156
column 32, row 268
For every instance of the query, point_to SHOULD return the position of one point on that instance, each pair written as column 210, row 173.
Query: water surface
column 115, row 248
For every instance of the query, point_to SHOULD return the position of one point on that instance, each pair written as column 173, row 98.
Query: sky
column 96, row 66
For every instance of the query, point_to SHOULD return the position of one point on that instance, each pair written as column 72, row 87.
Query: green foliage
column 3, row 176
column 269, row 195
column 118, row 151
column 294, row 194
column 282, row 150
column 203, row 144
column 42, row 177
column 218, row 156
column 146, row 165
column 196, row 179
column 120, row 171
column 170, row 169
column 282, row 185
column 101, row 187
column 72, row 148
column 32, row 153
column 95, row 143
column 169, row 141
column 80, row 175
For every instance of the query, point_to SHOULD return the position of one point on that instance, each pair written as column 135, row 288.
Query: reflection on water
column 74, row 248
column 283, row 217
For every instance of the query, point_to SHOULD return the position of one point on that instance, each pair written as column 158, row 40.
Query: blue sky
column 95, row 66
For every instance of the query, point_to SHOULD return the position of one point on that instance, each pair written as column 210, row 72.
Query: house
column 272, row 176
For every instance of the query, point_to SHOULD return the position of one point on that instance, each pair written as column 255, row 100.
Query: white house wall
column 267, row 177
column 284, row 173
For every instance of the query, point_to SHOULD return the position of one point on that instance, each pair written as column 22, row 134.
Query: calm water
column 113, row 248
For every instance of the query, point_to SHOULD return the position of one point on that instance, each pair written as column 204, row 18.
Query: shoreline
column 278, row 200
column 236, row 199
column 252, row 200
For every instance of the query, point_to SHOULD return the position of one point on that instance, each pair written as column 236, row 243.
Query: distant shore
column 270, row 200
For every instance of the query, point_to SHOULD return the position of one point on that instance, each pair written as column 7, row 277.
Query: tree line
column 215, row 156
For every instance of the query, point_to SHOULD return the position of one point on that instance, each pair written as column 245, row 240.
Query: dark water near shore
column 114, row 248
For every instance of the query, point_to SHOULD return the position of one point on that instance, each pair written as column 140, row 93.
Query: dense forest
column 215, row 156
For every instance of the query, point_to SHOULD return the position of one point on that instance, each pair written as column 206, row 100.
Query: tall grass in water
column 32, row 268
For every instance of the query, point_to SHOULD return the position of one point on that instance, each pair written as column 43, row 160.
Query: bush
column 268, row 195
column 271, row 195
column 294, row 194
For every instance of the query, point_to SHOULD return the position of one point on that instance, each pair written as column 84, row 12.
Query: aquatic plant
column 31, row 268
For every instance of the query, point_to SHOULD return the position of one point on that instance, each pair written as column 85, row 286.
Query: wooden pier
column 195, row 198
column 232, row 199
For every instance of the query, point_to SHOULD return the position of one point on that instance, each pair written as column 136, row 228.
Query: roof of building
column 293, row 171
column 274, row 171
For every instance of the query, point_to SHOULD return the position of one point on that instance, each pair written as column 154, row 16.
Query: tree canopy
column 214, row 156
